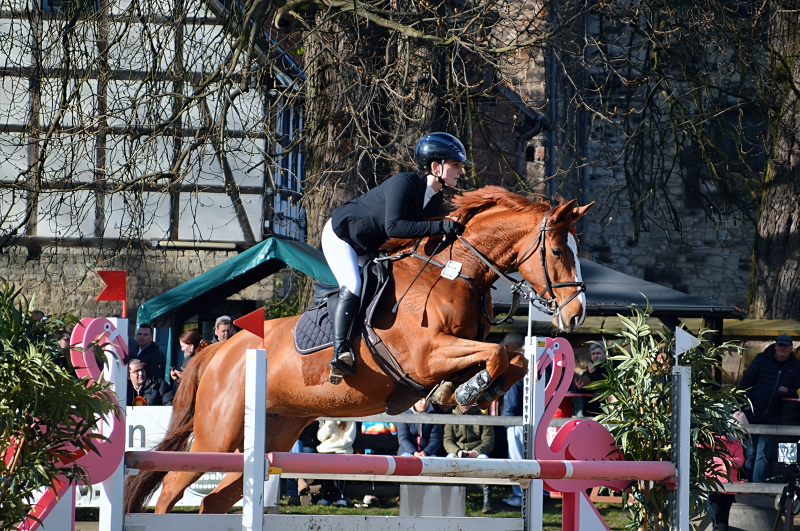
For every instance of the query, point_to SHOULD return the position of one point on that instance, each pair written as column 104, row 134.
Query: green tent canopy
column 235, row 274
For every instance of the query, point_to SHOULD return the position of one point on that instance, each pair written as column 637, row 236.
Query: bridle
column 546, row 300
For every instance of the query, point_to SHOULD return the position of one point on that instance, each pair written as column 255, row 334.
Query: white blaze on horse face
column 573, row 246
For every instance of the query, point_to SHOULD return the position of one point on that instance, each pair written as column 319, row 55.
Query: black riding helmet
column 439, row 147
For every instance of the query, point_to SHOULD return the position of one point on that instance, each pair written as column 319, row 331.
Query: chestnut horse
column 432, row 335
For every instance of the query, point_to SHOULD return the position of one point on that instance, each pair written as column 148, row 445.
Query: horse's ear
column 562, row 213
column 579, row 212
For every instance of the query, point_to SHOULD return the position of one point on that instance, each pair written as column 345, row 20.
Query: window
column 61, row 6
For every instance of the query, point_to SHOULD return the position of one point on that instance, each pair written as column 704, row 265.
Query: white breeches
column 342, row 260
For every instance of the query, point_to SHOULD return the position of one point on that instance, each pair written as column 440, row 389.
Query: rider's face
column 450, row 172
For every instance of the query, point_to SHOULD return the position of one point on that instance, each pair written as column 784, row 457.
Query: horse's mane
column 470, row 204
column 473, row 203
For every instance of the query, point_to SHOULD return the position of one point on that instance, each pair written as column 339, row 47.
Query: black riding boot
column 344, row 360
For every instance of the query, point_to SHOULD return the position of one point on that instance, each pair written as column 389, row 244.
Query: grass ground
column 612, row 513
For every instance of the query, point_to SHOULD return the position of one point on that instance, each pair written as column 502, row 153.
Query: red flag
column 116, row 286
column 253, row 322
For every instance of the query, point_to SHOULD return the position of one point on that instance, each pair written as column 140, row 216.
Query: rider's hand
column 452, row 228
column 783, row 389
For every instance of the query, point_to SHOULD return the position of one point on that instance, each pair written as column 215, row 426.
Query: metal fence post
column 681, row 445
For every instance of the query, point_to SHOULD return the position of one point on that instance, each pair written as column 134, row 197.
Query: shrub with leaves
column 639, row 378
column 46, row 412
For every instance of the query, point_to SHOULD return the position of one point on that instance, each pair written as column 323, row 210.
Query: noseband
column 546, row 300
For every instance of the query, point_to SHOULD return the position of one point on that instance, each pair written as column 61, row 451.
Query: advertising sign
column 146, row 426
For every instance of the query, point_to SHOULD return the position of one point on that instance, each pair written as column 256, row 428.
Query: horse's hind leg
column 282, row 432
column 222, row 498
column 176, row 482
column 172, row 489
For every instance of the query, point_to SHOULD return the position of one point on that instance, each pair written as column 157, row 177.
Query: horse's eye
column 556, row 252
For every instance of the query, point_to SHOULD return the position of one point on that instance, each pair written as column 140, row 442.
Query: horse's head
column 552, row 266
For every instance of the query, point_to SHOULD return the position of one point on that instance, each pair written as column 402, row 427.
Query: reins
column 545, row 301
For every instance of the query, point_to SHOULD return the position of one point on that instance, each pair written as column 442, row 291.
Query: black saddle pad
column 313, row 331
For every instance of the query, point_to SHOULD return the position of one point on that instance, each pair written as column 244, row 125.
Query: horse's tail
column 139, row 488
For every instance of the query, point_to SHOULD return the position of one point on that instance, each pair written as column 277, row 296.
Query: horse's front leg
column 517, row 369
column 451, row 354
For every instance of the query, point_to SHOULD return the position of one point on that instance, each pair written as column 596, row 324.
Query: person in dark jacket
column 772, row 376
column 394, row 209
column 419, row 440
column 470, row 441
column 147, row 351
column 145, row 390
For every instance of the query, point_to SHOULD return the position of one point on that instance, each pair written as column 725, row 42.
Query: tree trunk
column 775, row 282
column 357, row 135
column 333, row 175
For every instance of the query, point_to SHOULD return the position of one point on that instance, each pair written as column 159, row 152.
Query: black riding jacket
column 391, row 210
column 763, row 377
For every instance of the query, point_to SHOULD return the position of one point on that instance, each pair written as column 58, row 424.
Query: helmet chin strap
column 439, row 177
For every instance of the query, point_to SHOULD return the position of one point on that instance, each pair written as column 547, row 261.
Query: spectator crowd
column 146, row 364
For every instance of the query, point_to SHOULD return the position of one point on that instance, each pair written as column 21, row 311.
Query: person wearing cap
column 772, row 376
column 396, row 208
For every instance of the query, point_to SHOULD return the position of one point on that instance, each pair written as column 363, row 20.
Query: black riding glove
column 451, row 228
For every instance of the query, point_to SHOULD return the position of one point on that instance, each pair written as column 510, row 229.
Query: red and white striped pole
column 473, row 468
column 382, row 465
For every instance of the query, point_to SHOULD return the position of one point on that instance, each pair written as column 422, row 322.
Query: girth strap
column 406, row 390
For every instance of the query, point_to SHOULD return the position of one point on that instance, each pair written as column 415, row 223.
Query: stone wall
column 705, row 261
column 64, row 280
column 705, row 255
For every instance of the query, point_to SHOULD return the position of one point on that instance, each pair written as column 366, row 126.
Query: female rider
column 394, row 209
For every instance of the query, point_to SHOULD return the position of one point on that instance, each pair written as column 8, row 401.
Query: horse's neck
column 495, row 237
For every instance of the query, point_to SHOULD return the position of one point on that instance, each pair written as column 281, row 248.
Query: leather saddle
column 314, row 332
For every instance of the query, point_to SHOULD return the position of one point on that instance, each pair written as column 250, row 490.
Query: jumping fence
column 257, row 466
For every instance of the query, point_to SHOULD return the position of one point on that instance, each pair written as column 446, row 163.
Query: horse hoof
column 443, row 394
column 470, row 390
